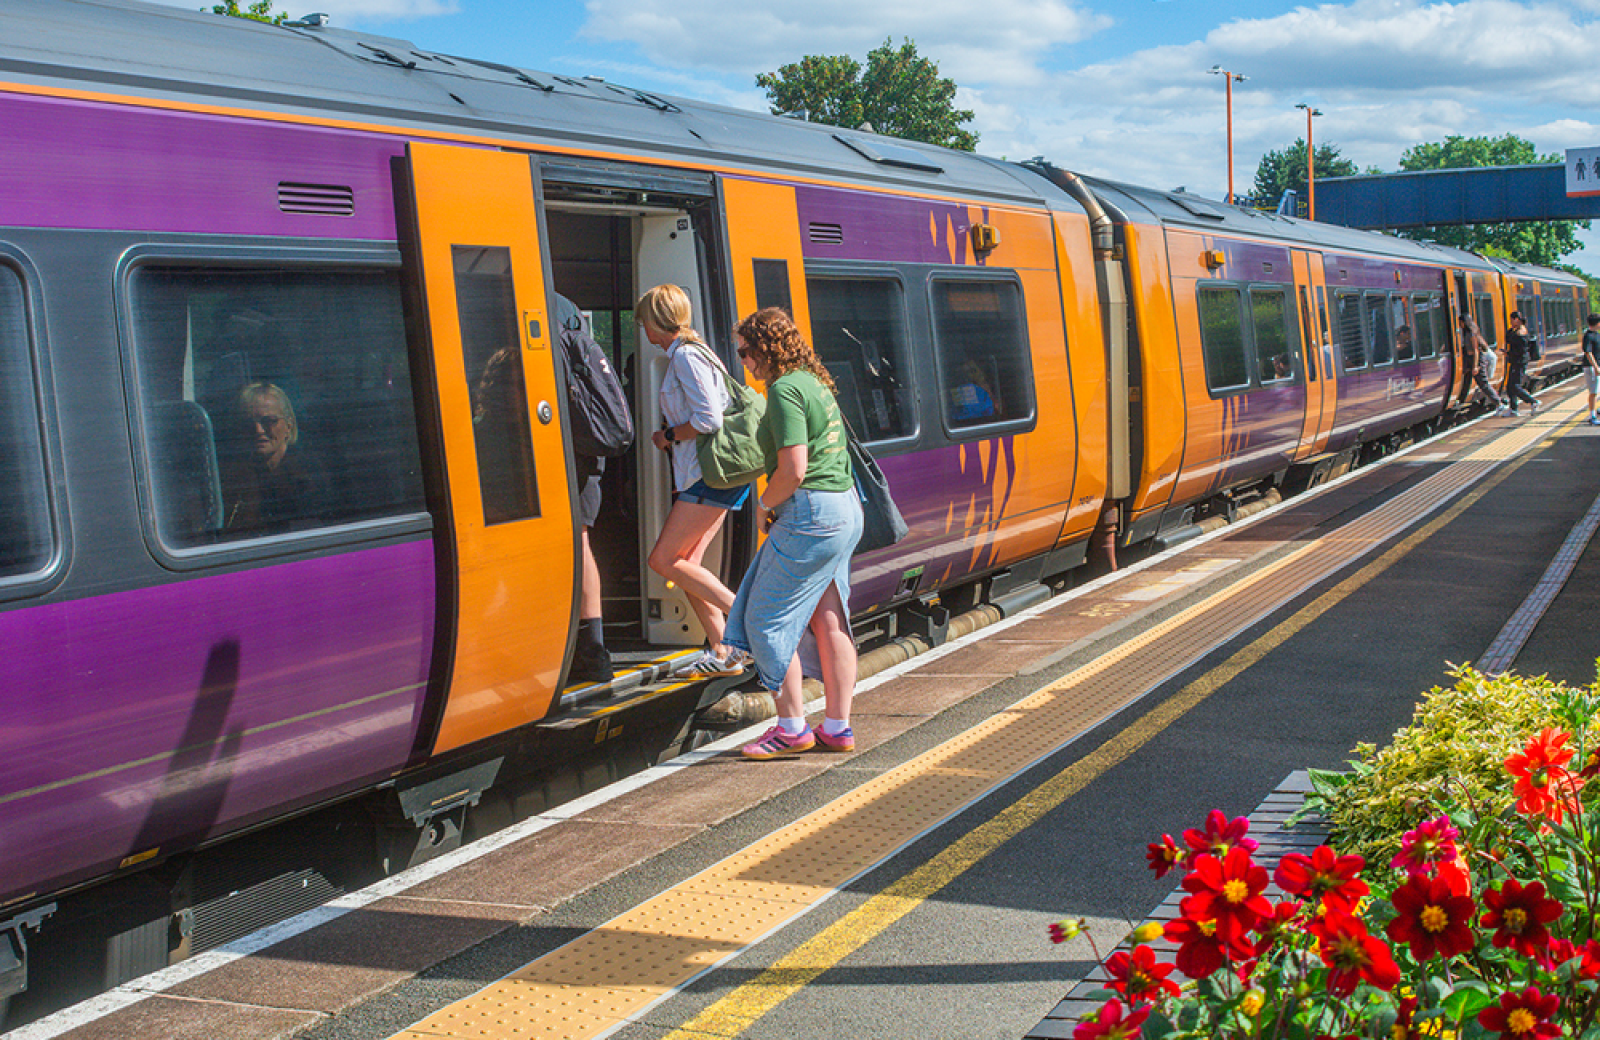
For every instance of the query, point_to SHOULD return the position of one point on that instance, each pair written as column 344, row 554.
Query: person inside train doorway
column 1485, row 364
column 694, row 396
column 591, row 661
column 1591, row 365
column 1517, row 355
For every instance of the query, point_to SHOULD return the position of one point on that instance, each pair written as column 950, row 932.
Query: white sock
column 833, row 727
column 793, row 727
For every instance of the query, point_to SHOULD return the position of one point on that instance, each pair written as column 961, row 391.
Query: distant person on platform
column 1591, row 365
column 1517, row 355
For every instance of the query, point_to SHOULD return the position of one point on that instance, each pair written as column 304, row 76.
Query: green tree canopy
column 1534, row 242
column 260, row 11
column 900, row 93
column 1285, row 170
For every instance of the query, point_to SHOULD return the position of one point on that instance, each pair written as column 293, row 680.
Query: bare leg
column 789, row 697
column 837, row 649
column 589, row 603
column 677, row 554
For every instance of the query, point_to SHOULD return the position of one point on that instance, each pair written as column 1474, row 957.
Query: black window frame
column 1246, row 354
column 359, row 257
column 1291, row 338
column 981, row 431
column 1356, row 298
column 37, row 580
column 912, row 377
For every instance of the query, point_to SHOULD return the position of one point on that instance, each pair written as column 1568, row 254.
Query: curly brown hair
column 771, row 334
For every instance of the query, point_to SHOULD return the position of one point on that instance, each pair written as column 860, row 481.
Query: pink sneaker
column 775, row 743
column 844, row 740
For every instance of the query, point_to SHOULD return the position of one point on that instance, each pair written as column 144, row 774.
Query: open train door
column 1460, row 350
column 506, row 542
column 1322, row 389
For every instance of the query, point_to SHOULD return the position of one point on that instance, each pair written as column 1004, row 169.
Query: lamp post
column 1229, row 78
column 1311, row 165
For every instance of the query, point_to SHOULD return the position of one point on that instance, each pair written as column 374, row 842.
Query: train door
column 503, row 502
column 1460, row 350
column 764, row 249
column 1321, row 385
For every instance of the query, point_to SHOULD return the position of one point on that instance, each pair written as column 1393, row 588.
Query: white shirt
column 693, row 391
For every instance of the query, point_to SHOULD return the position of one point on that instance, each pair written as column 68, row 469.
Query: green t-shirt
column 800, row 410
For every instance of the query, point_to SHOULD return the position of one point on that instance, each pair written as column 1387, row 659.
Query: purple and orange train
column 199, row 214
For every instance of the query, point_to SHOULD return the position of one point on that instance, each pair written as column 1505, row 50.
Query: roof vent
column 826, row 234
column 327, row 200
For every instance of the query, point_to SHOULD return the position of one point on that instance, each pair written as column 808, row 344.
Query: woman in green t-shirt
column 812, row 515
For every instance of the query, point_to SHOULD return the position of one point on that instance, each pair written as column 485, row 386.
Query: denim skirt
column 807, row 549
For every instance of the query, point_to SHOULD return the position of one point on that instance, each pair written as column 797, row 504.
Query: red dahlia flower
column 1543, row 786
column 1432, row 843
column 1324, row 876
column 1352, row 954
column 1559, row 951
column 1282, row 921
column 1163, row 855
column 1138, row 976
column 1522, row 1016
column 1109, row 1023
column 1518, row 914
column 1431, row 918
column 1201, row 950
column 1220, row 835
column 1227, row 891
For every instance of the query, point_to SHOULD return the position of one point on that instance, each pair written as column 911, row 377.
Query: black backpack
column 602, row 426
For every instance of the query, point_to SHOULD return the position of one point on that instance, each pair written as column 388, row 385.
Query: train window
column 859, row 328
column 1270, row 318
column 1352, row 346
column 26, row 539
column 1308, row 330
column 1484, row 305
column 486, row 307
column 982, row 344
column 1428, row 309
column 273, row 400
column 772, row 284
column 1381, row 346
column 1405, row 346
column 1222, row 335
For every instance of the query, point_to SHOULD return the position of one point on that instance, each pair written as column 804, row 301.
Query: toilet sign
column 1583, row 171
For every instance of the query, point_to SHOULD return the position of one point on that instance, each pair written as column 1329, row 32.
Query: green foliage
column 1285, row 169
column 260, row 11
column 1451, row 755
column 900, row 94
column 1542, row 242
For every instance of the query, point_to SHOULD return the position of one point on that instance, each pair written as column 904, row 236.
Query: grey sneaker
column 707, row 665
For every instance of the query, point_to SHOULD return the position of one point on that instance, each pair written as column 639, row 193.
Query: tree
column 1542, row 242
column 900, row 94
column 1285, row 170
column 260, row 11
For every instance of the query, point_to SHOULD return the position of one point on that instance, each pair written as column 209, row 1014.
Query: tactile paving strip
column 606, row 977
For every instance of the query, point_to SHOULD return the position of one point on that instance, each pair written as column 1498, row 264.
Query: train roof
column 1538, row 273
column 315, row 70
column 1180, row 209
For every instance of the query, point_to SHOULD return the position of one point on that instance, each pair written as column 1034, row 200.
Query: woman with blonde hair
column 801, row 577
column 694, row 396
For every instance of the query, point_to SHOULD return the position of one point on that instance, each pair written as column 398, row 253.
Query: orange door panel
column 764, row 249
column 510, row 534
column 1321, row 392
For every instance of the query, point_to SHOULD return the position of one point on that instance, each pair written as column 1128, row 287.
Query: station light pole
column 1311, row 165
column 1229, row 78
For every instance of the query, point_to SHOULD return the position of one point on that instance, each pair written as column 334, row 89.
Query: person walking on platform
column 1485, row 362
column 800, row 579
column 1517, row 356
column 1591, row 365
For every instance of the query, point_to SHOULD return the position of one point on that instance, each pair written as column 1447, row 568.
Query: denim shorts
column 704, row 494
column 807, row 549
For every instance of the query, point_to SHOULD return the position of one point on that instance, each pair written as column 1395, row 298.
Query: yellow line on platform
column 740, row 1009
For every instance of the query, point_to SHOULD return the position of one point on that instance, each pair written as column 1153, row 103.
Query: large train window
column 1380, row 346
column 1428, row 309
column 1352, row 345
column 1483, row 308
column 1405, row 342
column 26, row 539
column 981, row 340
column 1222, row 337
column 858, row 324
column 1271, row 322
column 273, row 400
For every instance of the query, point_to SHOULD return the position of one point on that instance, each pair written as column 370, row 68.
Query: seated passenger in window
column 1281, row 367
column 272, row 486
column 971, row 401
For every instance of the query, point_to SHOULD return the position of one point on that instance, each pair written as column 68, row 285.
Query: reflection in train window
column 1483, row 305
column 1270, row 320
column 859, row 328
column 982, row 344
column 1381, row 352
column 1405, row 345
column 273, row 400
column 1222, row 336
column 1352, row 347
column 26, row 538
column 1429, row 311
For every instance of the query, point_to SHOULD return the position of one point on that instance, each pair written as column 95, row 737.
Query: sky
column 1114, row 88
